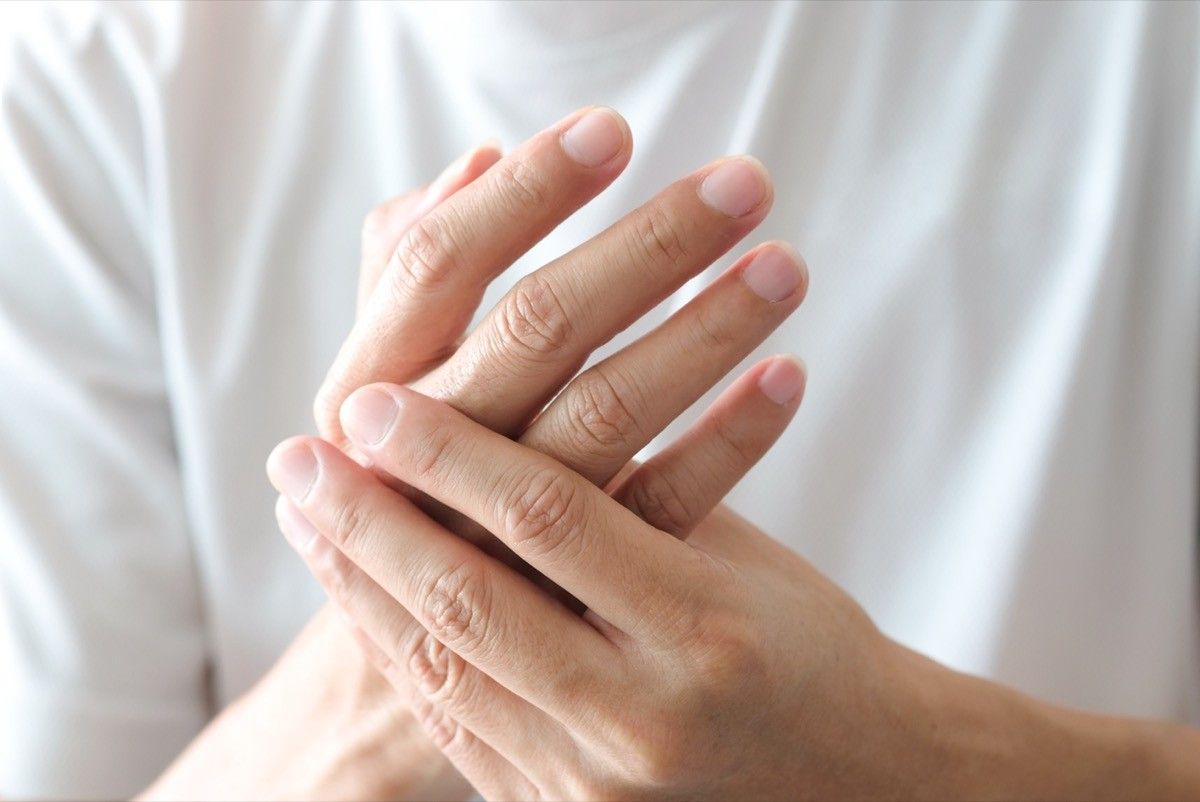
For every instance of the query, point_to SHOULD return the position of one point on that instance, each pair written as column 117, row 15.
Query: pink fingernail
column 772, row 274
column 594, row 138
column 782, row 381
column 735, row 187
column 368, row 414
column 295, row 470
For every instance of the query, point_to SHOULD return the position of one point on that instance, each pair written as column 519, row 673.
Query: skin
column 427, row 258
column 722, row 667
column 639, row 661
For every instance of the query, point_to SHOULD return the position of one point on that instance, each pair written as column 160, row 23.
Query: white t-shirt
column 1000, row 205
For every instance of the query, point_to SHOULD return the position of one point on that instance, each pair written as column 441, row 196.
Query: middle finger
column 543, row 329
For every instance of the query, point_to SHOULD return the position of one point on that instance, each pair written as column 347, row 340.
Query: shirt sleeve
column 102, row 662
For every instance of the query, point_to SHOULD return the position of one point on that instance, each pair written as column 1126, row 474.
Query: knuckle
column 658, row 500
column 456, row 608
column 350, row 519
column 714, row 333
column 542, row 514
column 657, row 236
column 690, row 613
column 429, row 449
column 437, row 670
column 425, row 256
column 598, row 413
column 726, row 651
column 738, row 450
column 443, row 730
column 720, row 643
column 533, row 319
column 522, row 185
column 651, row 754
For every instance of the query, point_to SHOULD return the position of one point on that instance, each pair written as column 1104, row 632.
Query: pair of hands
column 426, row 262
column 591, row 651
column 695, row 668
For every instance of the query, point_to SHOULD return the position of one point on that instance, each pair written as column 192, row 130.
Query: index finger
column 560, row 523
column 446, row 259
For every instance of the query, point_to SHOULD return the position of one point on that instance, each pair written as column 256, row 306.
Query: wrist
column 979, row 739
column 321, row 724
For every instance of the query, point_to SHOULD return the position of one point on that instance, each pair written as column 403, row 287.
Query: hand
column 323, row 723
column 414, row 305
column 721, row 667
column 539, row 334
column 609, row 412
column 690, row 655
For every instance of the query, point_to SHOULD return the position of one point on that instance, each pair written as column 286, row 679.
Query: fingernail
column 296, row 528
column 772, row 274
column 368, row 415
column 782, row 381
column 296, row 470
column 594, row 138
column 735, row 187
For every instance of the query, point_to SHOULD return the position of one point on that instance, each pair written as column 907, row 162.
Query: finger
column 444, row 261
column 554, row 519
column 483, row 767
column 543, row 329
column 387, row 222
column 482, row 610
column 613, row 409
column 415, row 662
column 678, row 487
column 487, row 771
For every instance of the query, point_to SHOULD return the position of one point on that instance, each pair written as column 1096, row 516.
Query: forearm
column 323, row 726
column 983, row 740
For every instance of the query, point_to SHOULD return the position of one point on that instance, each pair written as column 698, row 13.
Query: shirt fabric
column 1000, row 205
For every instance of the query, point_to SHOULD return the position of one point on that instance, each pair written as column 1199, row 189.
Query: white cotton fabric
column 1000, row 204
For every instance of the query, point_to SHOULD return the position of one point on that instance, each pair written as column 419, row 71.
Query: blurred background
column 999, row 204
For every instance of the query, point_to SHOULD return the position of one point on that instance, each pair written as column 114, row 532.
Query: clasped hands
column 565, row 623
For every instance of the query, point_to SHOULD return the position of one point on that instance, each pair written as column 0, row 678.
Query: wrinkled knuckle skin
column 525, row 187
column 533, row 320
column 542, row 514
column 426, row 255
column 436, row 669
column 741, row 452
column 714, row 334
column 456, row 608
column 658, row 501
column 658, row 237
column 598, row 416
column 429, row 450
column 349, row 520
column 441, row 728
